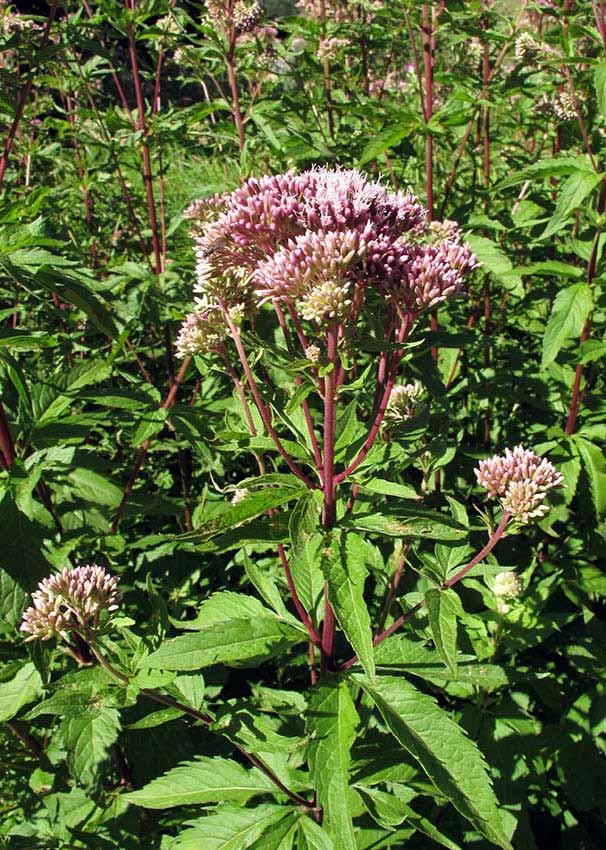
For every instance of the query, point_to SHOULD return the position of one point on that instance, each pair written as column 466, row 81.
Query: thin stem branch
column 378, row 419
column 263, row 411
column 166, row 405
column 486, row 550
column 201, row 717
column 24, row 95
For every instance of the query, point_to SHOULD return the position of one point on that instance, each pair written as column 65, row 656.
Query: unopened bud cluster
column 318, row 242
column 520, row 480
column 243, row 15
column 561, row 107
column 72, row 599
column 404, row 402
column 246, row 16
column 528, row 50
column 506, row 586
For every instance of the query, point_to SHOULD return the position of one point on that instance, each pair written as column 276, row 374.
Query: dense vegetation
column 282, row 289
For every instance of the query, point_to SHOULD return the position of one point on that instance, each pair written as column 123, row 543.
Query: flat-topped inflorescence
column 72, row 599
column 520, row 480
column 318, row 242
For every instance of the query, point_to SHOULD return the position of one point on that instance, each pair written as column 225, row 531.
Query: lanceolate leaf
column 332, row 721
column 570, row 309
column 451, row 760
column 442, row 611
column 87, row 736
column 22, row 689
column 343, row 563
column 230, row 828
column 237, row 643
column 314, row 836
column 570, row 196
column 595, row 467
column 306, row 545
column 205, row 780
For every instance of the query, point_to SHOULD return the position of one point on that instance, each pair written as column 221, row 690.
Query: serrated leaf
column 18, row 339
column 237, row 643
column 95, row 488
column 253, row 505
column 150, row 424
column 451, row 760
column 407, row 521
column 230, row 828
column 599, row 82
column 443, row 610
column 23, row 688
column 206, row 779
column 571, row 195
column 305, row 552
column 594, row 465
column 87, row 736
column 568, row 314
column 314, row 836
column 383, row 141
column 331, row 722
column 344, row 568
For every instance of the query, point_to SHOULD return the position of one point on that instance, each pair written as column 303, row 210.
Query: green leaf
column 236, row 643
column 22, row 340
column 568, row 314
column 571, row 195
column 599, row 81
column 451, row 760
column 344, row 567
column 69, row 289
column 87, row 736
column 497, row 263
column 331, row 722
column 229, row 828
column 149, row 425
column 94, row 488
column 400, row 654
column 22, row 689
column 442, row 610
column 205, row 780
column 253, row 505
column 314, row 836
column 595, row 467
column 383, row 141
column 306, row 546
column 409, row 521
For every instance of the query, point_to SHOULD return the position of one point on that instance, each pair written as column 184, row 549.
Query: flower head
column 506, row 585
column 404, row 402
column 201, row 331
column 72, row 599
column 318, row 240
column 520, row 479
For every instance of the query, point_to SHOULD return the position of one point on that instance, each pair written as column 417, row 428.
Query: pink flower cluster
column 318, row 240
column 70, row 599
column 521, row 480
